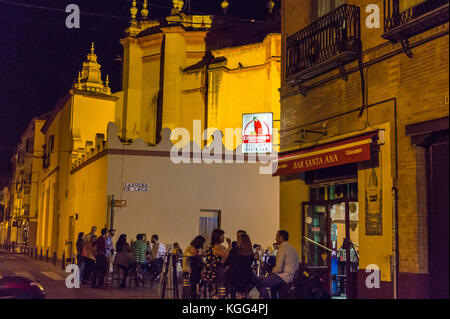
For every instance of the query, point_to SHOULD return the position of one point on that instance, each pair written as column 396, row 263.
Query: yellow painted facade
column 171, row 77
column 76, row 123
column 400, row 91
column 23, row 208
column 5, row 222
column 173, row 67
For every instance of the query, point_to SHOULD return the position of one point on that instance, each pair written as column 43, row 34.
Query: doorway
column 71, row 235
column 209, row 220
column 330, row 234
column 438, row 214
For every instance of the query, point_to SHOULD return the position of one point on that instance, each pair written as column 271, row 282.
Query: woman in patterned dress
column 213, row 273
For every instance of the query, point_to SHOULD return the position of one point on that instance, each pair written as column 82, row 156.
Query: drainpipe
column 160, row 101
column 395, row 207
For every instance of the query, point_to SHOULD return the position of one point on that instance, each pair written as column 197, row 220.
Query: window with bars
column 45, row 157
column 30, row 145
column 51, row 144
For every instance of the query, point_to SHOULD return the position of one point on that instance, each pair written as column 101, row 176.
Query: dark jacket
column 100, row 246
column 239, row 268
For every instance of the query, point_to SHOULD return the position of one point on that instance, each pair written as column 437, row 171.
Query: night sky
column 40, row 58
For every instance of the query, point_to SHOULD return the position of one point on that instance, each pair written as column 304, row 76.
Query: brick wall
column 419, row 85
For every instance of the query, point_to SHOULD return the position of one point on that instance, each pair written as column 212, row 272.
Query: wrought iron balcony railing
column 405, row 18
column 329, row 42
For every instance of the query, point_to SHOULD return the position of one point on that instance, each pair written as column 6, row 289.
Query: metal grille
column 327, row 37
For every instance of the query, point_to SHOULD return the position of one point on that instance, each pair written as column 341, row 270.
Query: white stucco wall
column 178, row 192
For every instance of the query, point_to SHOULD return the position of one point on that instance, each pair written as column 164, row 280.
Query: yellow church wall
column 90, row 115
column 230, row 92
column 86, row 202
column 118, row 108
column 150, row 80
column 173, row 60
column 132, row 87
column 247, row 84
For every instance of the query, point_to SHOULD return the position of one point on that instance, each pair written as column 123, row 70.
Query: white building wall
column 178, row 192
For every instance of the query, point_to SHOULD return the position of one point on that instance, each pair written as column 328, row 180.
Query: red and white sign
column 257, row 133
column 352, row 150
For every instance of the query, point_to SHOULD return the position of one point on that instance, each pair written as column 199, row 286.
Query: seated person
column 286, row 266
column 156, row 257
column 239, row 274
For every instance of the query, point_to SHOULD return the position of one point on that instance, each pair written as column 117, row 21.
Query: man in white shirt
column 157, row 256
column 285, row 268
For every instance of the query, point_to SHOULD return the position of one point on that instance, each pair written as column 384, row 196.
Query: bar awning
column 351, row 150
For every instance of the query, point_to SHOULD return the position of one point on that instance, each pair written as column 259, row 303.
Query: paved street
column 53, row 279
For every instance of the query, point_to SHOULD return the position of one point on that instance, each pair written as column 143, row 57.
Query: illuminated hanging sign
column 136, row 187
column 257, row 134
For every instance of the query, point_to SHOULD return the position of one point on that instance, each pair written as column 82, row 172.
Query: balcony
column 328, row 43
column 406, row 18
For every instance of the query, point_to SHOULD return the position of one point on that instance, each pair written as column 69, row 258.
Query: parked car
column 16, row 287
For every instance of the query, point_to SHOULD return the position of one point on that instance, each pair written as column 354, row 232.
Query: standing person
column 157, row 256
column 88, row 236
column 213, row 273
column 239, row 275
column 192, row 266
column 100, row 260
column 122, row 259
column 80, row 259
column 109, row 247
column 177, row 250
column 285, row 268
column 138, row 251
column 88, row 253
column 178, row 253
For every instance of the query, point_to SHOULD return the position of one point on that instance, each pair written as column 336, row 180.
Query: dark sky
column 40, row 58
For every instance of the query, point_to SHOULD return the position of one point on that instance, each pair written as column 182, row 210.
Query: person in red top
column 258, row 126
column 100, row 261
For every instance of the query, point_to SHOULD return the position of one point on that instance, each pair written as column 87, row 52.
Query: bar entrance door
column 330, row 234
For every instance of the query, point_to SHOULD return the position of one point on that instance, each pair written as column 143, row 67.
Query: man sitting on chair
column 156, row 257
column 286, row 266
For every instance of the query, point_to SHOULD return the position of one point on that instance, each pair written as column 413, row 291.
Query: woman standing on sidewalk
column 88, row 253
column 80, row 259
column 122, row 258
column 192, row 267
column 213, row 273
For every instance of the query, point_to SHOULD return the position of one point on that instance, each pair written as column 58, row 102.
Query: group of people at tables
column 229, row 269
column 233, row 269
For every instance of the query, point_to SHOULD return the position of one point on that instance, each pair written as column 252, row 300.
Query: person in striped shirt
column 138, row 250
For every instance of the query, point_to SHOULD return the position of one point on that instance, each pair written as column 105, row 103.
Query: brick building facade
column 342, row 82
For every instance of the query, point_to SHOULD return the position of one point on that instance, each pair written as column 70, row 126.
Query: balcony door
column 322, row 7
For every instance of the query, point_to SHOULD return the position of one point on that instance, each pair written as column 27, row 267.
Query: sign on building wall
column 257, row 133
column 136, row 187
column 374, row 209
